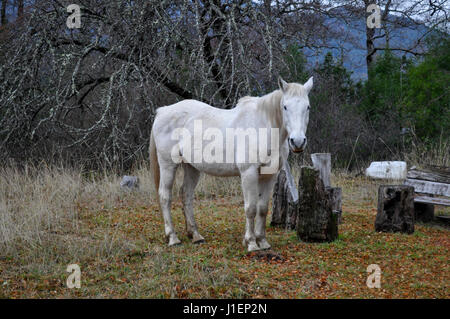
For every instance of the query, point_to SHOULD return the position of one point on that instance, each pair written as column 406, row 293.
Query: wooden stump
column 322, row 162
column 316, row 221
column 285, row 200
column 395, row 209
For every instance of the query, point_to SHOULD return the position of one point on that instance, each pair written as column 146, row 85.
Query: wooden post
column 316, row 221
column 285, row 200
column 336, row 201
column 395, row 209
column 322, row 162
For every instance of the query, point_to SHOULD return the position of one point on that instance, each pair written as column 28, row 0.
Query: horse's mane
column 269, row 104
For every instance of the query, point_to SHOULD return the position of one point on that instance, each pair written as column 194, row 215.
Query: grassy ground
column 52, row 218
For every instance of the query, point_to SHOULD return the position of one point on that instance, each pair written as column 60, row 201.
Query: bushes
column 341, row 122
column 334, row 124
column 427, row 98
column 401, row 112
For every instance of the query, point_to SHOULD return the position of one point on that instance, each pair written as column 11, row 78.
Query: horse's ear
column 282, row 84
column 309, row 84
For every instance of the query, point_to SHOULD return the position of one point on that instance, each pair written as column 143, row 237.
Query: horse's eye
column 285, row 107
column 308, row 108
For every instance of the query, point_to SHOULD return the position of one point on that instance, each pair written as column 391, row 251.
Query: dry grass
column 35, row 203
column 422, row 153
column 52, row 217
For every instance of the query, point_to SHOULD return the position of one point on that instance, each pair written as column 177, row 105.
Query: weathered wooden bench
column 429, row 183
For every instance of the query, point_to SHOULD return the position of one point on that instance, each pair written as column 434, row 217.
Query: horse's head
column 295, row 107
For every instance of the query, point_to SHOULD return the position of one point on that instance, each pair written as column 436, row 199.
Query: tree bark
column 285, row 200
column 20, row 8
column 395, row 209
column 370, row 46
column 316, row 221
column 3, row 19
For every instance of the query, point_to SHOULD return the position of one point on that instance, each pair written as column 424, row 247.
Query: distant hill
column 352, row 41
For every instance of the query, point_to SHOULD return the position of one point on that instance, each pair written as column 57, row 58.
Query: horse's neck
column 270, row 106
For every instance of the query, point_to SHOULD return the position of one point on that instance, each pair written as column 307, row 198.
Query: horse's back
column 185, row 108
column 184, row 113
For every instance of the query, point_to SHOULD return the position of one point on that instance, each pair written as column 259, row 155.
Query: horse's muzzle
column 299, row 150
column 296, row 149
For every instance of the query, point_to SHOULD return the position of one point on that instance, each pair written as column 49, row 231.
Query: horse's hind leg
column 167, row 173
column 191, row 177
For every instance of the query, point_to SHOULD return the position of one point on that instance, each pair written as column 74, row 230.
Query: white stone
column 387, row 170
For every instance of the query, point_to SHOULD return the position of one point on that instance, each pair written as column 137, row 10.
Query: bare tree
column 92, row 92
column 424, row 16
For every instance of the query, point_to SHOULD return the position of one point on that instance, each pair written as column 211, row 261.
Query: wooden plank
column 429, row 187
column 322, row 162
column 432, row 200
column 440, row 169
column 432, row 176
column 293, row 191
column 336, row 201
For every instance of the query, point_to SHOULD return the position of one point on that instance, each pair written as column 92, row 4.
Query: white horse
column 284, row 114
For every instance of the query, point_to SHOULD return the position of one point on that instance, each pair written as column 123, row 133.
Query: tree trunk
column 316, row 221
column 395, row 209
column 3, row 19
column 370, row 45
column 285, row 200
column 20, row 8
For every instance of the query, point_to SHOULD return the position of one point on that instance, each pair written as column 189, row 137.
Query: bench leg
column 423, row 212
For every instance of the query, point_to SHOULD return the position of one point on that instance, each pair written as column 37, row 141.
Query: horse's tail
column 154, row 162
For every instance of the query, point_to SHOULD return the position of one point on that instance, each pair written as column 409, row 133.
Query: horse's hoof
column 198, row 239
column 174, row 241
column 253, row 247
column 263, row 244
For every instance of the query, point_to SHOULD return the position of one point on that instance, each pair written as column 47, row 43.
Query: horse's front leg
column 265, row 189
column 250, row 190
